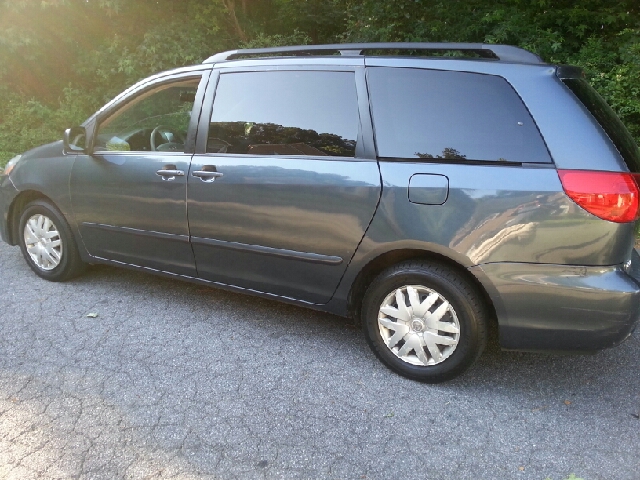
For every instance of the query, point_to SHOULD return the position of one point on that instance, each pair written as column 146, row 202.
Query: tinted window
column 285, row 113
column 609, row 121
column 153, row 121
column 451, row 115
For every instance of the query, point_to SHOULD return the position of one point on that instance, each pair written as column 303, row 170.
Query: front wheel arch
column 54, row 258
column 17, row 207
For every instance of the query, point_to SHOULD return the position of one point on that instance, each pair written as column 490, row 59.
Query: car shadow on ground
column 523, row 371
column 192, row 379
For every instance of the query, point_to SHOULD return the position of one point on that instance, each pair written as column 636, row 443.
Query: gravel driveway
column 173, row 380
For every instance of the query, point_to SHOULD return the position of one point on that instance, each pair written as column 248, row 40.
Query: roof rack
column 505, row 53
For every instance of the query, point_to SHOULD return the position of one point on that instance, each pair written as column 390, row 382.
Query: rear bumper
column 7, row 193
column 563, row 308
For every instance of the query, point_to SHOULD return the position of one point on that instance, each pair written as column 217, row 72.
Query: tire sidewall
column 469, row 343
column 43, row 208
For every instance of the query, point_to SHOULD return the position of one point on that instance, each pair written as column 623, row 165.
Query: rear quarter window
column 456, row 116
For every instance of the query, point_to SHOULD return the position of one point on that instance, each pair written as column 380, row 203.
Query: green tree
column 602, row 37
column 62, row 59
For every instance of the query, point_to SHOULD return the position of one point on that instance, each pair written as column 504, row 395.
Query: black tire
column 467, row 308
column 70, row 264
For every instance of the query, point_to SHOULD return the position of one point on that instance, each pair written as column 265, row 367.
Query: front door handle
column 169, row 174
column 206, row 175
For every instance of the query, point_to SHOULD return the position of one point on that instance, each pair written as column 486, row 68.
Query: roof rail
column 505, row 53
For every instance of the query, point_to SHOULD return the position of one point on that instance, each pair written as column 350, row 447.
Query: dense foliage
column 62, row 59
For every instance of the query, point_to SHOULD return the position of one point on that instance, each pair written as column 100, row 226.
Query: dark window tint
column 285, row 113
column 609, row 121
column 451, row 115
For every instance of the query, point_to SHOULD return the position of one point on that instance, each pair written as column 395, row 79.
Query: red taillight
column 609, row 195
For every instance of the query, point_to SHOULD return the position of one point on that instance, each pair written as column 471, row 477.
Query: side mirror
column 75, row 140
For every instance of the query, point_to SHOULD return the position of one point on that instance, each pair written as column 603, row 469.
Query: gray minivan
column 421, row 194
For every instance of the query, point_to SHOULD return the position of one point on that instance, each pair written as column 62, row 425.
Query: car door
column 284, row 182
column 129, row 194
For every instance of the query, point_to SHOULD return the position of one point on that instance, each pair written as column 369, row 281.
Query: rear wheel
column 47, row 243
column 424, row 321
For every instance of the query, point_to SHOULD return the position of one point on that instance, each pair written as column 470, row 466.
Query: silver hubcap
column 43, row 242
column 423, row 332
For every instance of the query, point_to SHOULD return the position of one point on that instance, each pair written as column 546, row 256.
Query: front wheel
column 47, row 243
column 424, row 321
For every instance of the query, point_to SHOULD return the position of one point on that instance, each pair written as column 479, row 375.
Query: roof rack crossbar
column 505, row 53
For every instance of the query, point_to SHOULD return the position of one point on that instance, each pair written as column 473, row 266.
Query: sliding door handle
column 206, row 176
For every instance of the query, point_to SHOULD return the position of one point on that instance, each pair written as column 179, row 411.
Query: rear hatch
column 606, row 117
column 612, row 196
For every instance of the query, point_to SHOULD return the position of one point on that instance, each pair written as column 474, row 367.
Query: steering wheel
column 162, row 130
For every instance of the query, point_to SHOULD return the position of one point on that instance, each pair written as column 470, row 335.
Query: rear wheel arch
column 394, row 257
column 424, row 320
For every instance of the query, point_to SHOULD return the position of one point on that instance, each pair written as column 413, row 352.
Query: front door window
column 154, row 121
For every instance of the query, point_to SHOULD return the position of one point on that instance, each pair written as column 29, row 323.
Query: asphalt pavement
column 175, row 380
